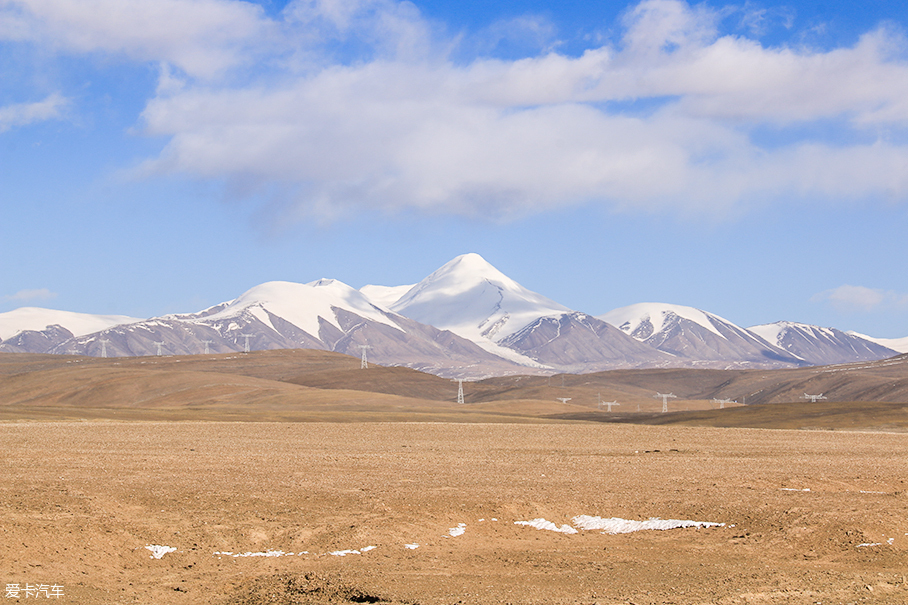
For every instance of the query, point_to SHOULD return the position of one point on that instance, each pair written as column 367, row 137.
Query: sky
column 749, row 159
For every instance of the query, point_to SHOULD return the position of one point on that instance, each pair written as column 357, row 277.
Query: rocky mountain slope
column 821, row 346
column 698, row 338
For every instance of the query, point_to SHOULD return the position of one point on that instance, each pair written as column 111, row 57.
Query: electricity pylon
column 364, row 364
column 665, row 397
column 813, row 398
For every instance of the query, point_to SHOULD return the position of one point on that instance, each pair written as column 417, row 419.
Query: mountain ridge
column 467, row 319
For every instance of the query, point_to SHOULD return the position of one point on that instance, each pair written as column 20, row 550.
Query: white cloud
column 849, row 298
column 22, row 114
column 31, row 295
column 201, row 37
column 357, row 104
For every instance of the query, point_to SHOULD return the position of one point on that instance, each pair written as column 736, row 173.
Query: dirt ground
column 810, row 517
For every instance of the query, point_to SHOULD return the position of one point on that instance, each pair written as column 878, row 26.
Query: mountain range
column 465, row 320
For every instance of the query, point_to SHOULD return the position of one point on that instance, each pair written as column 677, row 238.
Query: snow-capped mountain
column 33, row 329
column 698, row 336
column 466, row 320
column 821, row 346
column 35, row 319
column 896, row 344
column 473, row 299
column 469, row 296
column 325, row 314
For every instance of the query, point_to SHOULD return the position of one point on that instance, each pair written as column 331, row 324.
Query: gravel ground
column 809, row 516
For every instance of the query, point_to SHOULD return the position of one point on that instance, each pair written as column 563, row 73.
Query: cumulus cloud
column 22, row 114
column 30, row 295
column 859, row 298
column 358, row 104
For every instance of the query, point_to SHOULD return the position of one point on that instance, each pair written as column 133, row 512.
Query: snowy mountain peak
column 702, row 337
column 817, row 345
column 643, row 320
column 324, row 282
column 303, row 304
column 458, row 275
column 36, row 318
column 475, row 300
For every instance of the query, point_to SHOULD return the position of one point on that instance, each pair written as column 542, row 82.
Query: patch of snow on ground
column 158, row 551
column 344, row 553
column 547, row 525
column 624, row 526
column 411, row 546
column 795, row 489
column 458, row 531
column 869, row 544
column 269, row 553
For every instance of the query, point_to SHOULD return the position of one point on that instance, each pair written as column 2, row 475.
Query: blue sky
column 747, row 159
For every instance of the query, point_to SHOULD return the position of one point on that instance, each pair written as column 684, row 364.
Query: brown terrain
column 375, row 486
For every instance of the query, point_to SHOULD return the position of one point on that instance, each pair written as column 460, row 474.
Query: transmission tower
column 814, row 398
column 104, row 342
column 665, row 397
column 207, row 342
column 246, row 346
column 563, row 399
column 722, row 402
column 460, row 390
column 609, row 404
column 159, row 345
column 365, row 362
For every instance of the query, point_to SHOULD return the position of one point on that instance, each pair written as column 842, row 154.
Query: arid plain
column 375, row 486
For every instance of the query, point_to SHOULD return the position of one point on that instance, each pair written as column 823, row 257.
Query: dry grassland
column 80, row 501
